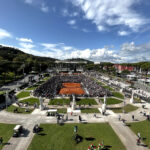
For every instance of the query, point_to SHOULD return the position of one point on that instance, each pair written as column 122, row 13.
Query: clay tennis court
column 71, row 88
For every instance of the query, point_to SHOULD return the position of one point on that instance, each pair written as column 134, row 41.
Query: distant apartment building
column 119, row 68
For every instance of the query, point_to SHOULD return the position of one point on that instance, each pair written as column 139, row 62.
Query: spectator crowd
column 51, row 88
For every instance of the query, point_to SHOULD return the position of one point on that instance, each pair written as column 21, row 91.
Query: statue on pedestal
column 132, row 97
column 41, row 103
column 7, row 99
column 104, row 106
column 121, row 90
column 17, row 87
column 73, row 103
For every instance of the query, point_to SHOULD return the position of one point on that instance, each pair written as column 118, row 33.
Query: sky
column 115, row 31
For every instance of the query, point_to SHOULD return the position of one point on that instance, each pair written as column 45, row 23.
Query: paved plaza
column 127, row 137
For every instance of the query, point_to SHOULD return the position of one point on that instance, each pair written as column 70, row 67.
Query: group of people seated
column 51, row 88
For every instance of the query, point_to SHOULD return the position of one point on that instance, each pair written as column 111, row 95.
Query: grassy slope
column 20, row 110
column 60, row 137
column 127, row 108
column 118, row 95
column 6, row 131
column 33, row 87
column 143, row 128
column 86, row 102
column 31, row 101
column 111, row 101
column 62, row 110
column 59, row 102
column 23, row 94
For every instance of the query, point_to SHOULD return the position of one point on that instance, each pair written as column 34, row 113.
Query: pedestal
column 132, row 100
column 103, row 108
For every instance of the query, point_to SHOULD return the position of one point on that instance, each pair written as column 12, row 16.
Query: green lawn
column 31, row 101
column 33, row 87
column 89, row 110
column 109, row 88
column 127, row 108
column 23, row 94
column 118, row 95
column 56, row 137
column 59, row 102
column 100, row 83
column 111, row 101
column 137, row 100
column 46, row 78
column 6, row 131
column 40, row 82
column 143, row 128
column 20, row 110
column 86, row 102
column 2, row 92
column 62, row 110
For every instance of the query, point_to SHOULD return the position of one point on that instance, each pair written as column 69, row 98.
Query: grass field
column 2, row 92
column 59, row 102
column 62, row 110
column 46, row 78
column 32, row 87
column 89, row 110
column 137, row 100
column 20, row 110
column 127, row 108
column 118, row 95
column 40, row 82
column 56, row 137
column 86, row 102
column 143, row 128
column 111, row 101
column 23, row 94
column 6, row 131
column 100, row 83
column 109, row 88
column 31, row 101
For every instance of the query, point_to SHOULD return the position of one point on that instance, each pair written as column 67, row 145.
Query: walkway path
column 127, row 137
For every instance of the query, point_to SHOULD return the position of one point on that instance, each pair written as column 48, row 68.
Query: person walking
column 119, row 117
column 138, row 141
column 139, row 135
column 132, row 117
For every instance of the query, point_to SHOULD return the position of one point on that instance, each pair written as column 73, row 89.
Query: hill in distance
column 16, row 55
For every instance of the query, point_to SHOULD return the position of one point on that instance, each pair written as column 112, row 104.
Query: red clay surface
column 71, row 88
column 71, row 85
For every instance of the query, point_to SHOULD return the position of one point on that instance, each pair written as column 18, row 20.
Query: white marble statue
column 105, row 101
column 41, row 103
column 103, row 109
column 7, row 99
column 17, row 87
column 132, row 97
column 104, row 105
column 121, row 90
column 73, row 103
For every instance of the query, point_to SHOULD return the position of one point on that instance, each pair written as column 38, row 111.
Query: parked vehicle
column 18, row 130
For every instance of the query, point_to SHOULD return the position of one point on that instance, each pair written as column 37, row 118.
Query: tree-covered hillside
column 14, row 62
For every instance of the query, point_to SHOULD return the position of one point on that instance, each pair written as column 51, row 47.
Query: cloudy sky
column 98, row 30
